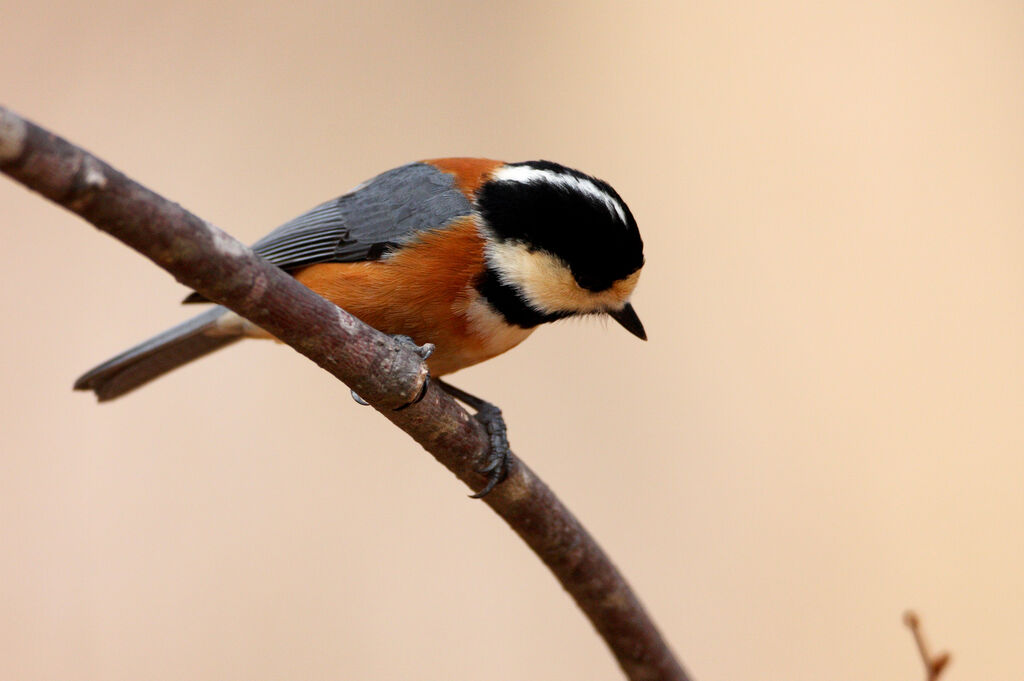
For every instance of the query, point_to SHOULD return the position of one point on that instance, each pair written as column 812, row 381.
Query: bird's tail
column 169, row 350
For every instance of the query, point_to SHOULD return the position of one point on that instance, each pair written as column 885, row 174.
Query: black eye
column 591, row 282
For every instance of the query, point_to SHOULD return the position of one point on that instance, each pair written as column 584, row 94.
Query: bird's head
column 559, row 244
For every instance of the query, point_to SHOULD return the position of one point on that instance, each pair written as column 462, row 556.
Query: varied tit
column 467, row 255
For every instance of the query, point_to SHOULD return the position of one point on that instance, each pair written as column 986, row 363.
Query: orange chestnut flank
column 439, row 308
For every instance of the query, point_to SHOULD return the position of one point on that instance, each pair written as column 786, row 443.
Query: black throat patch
column 509, row 303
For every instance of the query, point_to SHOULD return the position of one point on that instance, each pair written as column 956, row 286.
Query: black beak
column 630, row 322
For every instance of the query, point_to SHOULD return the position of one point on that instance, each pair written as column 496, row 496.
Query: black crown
column 585, row 230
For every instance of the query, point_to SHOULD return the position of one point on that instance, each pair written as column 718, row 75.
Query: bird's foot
column 499, row 453
column 424, row 351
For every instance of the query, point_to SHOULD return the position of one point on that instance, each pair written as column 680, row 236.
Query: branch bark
column 379, row 369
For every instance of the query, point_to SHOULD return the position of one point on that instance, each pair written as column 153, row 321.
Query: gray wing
column 363, row 224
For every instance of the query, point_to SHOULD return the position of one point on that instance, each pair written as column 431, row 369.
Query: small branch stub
column 933, row 664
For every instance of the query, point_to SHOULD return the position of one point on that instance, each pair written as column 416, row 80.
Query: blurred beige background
column 824, row 429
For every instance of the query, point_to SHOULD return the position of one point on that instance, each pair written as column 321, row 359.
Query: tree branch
column 375, row 366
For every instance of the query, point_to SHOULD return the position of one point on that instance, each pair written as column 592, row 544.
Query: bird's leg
column 489, row 415
column 424, row 351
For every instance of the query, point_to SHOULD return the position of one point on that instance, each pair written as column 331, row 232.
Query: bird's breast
column 487, row 333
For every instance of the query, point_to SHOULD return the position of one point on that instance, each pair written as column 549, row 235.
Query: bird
column 463, row 257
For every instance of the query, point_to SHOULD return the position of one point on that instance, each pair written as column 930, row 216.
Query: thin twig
column 376, row 367
column 933, row 665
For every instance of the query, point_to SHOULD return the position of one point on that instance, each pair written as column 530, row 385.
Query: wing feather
column 386, row 211
column 389, row 209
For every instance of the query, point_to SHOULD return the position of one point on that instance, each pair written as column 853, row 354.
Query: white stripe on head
column 530, row 175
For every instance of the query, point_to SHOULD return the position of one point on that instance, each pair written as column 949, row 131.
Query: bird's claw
column 499, row 453
column 424, row 351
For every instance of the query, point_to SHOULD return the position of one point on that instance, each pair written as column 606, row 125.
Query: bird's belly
column 485, row 335
column 464, row 331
